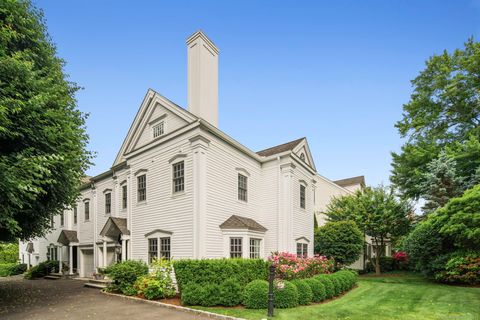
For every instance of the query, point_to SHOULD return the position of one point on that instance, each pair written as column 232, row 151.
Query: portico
column 69, row 239
column 115, row 235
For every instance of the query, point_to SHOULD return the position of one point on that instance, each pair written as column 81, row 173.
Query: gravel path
column 68, row 299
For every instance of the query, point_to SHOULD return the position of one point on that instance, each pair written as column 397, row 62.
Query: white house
column 181, row 188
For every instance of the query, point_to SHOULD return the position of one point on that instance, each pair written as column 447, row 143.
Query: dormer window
column 158, row 129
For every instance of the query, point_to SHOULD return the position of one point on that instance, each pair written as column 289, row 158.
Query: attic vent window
column 302, row 156
column 158, row 129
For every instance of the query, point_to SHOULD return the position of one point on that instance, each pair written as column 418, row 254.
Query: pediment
column 302, row 150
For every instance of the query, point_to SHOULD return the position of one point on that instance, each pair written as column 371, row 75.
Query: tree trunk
column 377, row 264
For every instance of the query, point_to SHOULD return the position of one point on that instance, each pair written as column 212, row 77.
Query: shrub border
column 175, row 307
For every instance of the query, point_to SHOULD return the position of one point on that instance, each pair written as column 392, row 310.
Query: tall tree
column 42, row 135
column 377, row 212
column 443, row 111
column 441, row 182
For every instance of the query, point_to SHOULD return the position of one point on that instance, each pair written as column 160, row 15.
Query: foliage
column 11, row 269
column 464, row 270
column 42, row 269
column 442, row 113
column 124, row 274
column 377, row 212
column 318, row 289
column 230, row 293
column 285, row 293
column 288, row 266
column 152, row 287
column 191, row 294
column 305, row 294
column 401, row 260
column 207, row 271
column 43, row 155
column 337, row 284
column 255, row 295
column 9, row 252
column 340, row 240
column 327, row 282
column 440, row 182
column 386, row 264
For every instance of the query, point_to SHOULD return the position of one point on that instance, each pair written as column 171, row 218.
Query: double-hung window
column 165, row 247
column 108, row 203
column 62, row 219
column 142, row 188
column 158, row 129
column 242, row 187
column 124, row 197
column 254, row 248
column 302, row 250
column 302, row 196
column 235, row 247
column 152, row 249
column 178, row 177
column 87, row 211
column 75, row 215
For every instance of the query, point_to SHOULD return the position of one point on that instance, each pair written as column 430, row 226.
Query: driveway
column 68, row 299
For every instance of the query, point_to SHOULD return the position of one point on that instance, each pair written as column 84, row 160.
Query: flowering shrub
column 289, row 266
column 401, row 260
column 464, row 270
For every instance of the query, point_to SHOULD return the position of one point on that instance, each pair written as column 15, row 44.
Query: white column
column 199, row 145
column 80, row 263
column 60, row 264
column 28, row 262
column 70, row 259
column 285, row 221
column 124, row 250
column 104, row 253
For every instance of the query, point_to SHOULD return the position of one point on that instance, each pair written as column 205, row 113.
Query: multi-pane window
column 235, row 247
column 52, row 253
column 75, row 215
column 302, row 250
column 152, row 249
column 158, row 129
column 142, row 188
column 87, row 211
column 254, row 248
column 242, row 187
column 124, row 197
column 52, row 222
column 178, row 177
column 165, row 247
column 62, row 219
column 108, row 203
column 302, row 196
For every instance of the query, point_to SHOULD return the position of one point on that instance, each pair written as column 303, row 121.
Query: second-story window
column 124, row 197
column 108, row 203
column 242, row 187
column 142, row 188
column 75, row 215
column 302, row 196
column 62, row 219
column 158, row 129
column 87, row 211
column 178, row 177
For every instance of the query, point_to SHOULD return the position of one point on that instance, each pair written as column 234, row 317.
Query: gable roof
column 120, row 224
column 280, row 148
column 237, row 222
column 67, row 236
column 351, row 181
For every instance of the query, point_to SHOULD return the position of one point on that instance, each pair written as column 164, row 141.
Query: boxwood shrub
column 286, row 294
column 255, row 295
column 191, row 294
column 337, row 284
column 124, row 274
column 318, row 289
column 305, row 294
column 42, row 269
column 230, row 293
column 327, row 282
column 217, row 271
column 11, row 269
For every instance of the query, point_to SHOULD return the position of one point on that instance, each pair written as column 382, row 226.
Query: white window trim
column 157, row 234
column 245, row 234
column 163, row 123
column 177, row 159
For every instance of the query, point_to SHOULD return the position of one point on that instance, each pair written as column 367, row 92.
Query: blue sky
column 336, row 72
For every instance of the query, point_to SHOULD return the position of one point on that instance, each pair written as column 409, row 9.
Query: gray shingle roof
column 237, row 222
column 280, row 148
column 119, row 223
column 351, row 181
column 67, row 236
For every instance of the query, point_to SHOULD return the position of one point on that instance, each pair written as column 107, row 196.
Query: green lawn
column 405, row 296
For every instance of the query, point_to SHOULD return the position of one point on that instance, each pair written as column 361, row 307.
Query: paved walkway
column 68, row 299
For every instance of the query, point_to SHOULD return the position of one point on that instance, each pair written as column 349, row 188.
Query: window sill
column 242, row 202
column 141, row 203
column 177, row 194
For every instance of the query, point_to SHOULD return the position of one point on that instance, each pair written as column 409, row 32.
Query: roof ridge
column 294, row 143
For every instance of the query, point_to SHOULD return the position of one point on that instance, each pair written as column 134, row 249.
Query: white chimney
column 203, row 77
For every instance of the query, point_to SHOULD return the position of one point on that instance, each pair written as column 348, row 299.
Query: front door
column 74, row 258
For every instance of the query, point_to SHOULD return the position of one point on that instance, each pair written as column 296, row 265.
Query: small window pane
column 108, row 203
column 235, row 247
column 242, row 187
column 152, row 249
column 165, row 247
column 124, row 197
column 142, row 188
column 302, row 196
column 254, row 248
column 178, row 177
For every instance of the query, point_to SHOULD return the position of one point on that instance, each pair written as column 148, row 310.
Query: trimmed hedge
column 318, row 289
column 305, row 294
column 207, row 271
column 286, row 296
column 11, row 269
column 124, row 274
column 42, row 269
column 337, row 284
column 230, row 293
column 255, row 295
column 327, row 282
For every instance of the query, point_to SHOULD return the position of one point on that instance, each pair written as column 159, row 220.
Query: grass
column 403, row 296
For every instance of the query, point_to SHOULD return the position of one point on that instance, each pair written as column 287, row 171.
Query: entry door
column 75, row 257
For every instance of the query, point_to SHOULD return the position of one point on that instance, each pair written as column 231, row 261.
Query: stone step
column 100, row 281
column 95, row 285
column 52, row 277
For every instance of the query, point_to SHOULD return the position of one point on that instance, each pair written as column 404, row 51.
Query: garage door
column 87, row 263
